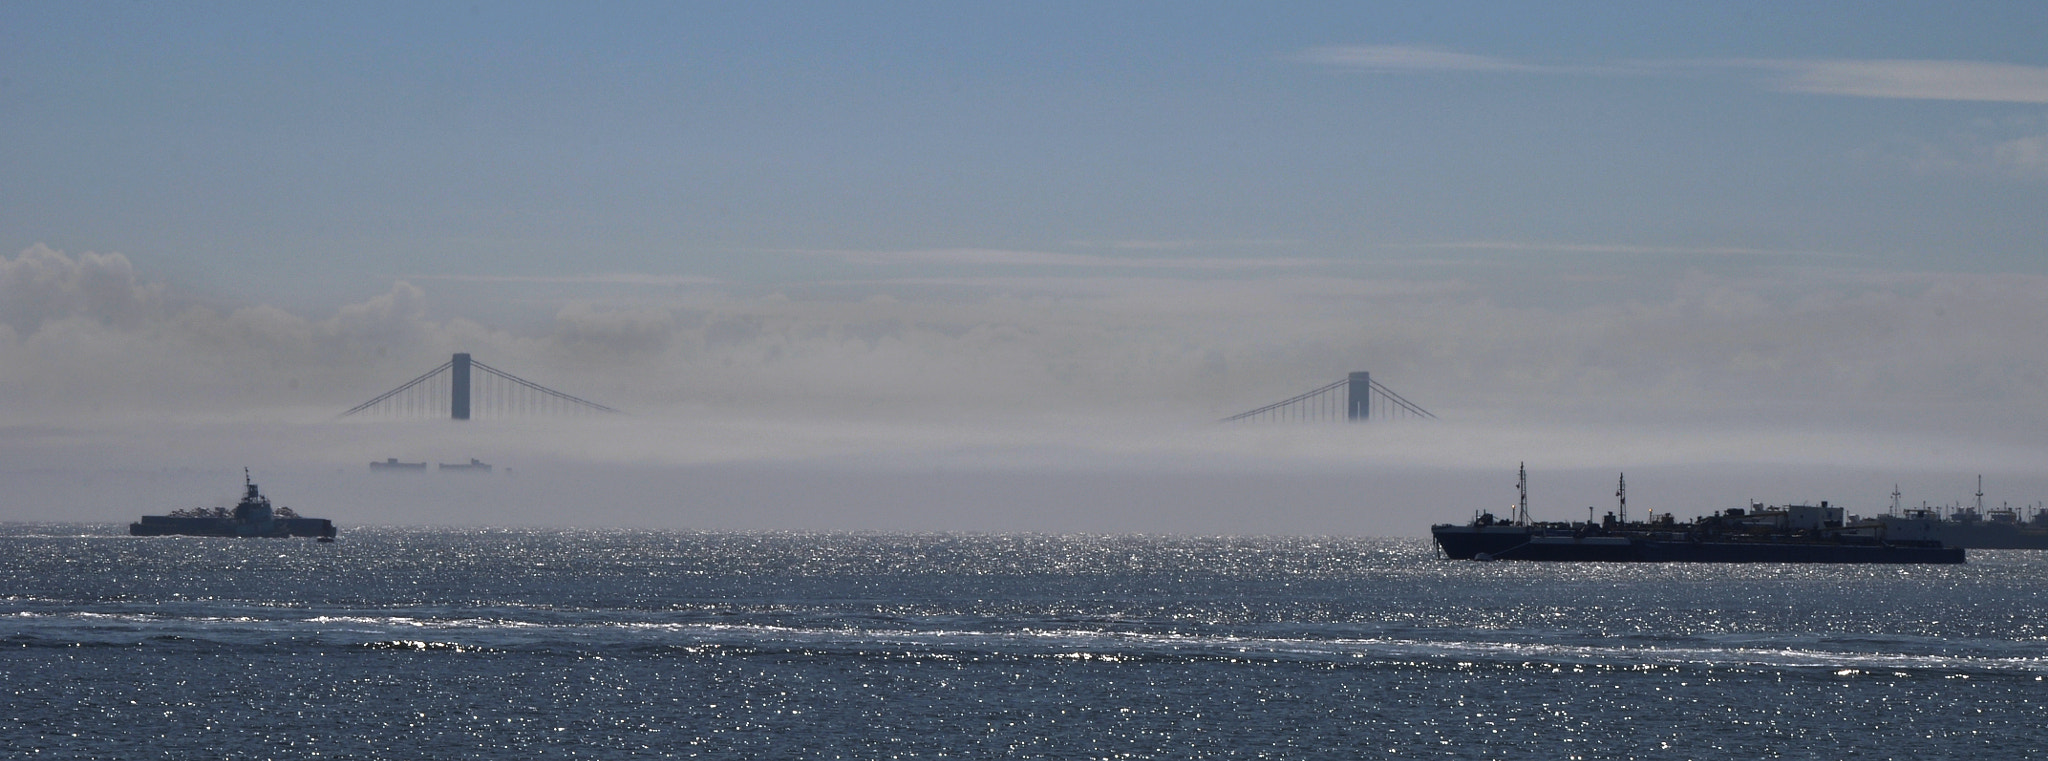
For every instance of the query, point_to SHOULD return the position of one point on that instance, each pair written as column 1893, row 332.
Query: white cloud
column 1913, row 79
column 2011, row 148
column 1611, row 248
column 391, row 317
column 2024, row 156
column 1865, row 78
column 1183, row 245
column 43, row 285
column 584, row 330
column 992, row 257
column 1392, row 58
column 603, row 278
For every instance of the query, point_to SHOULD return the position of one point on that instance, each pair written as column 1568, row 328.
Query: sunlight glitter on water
column 1014, row 645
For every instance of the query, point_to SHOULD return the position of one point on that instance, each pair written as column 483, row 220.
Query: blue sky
column 261, row 145
column 1630, row 221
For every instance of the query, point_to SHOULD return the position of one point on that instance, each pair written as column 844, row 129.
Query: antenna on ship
column 1621, row 492
column 1980, row 494
column 1522, row 496
column 1895, row 499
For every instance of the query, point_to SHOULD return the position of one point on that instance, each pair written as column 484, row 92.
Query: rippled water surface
column 418, row 643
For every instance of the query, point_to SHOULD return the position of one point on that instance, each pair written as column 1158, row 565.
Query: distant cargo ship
column 2002, row 528
column 1757, row 534
column 392, row 465
column 253, row 517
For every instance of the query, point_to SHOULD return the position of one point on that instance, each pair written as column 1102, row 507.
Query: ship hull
column 1995, row 539
column 1975, row 536
column 1526, row 543
column 164, row 525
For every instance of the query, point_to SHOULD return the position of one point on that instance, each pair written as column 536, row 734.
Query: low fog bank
column 1042, row 403
column 1368, row 501
column 91, row 337
column 993, row 443
column 1389, row 479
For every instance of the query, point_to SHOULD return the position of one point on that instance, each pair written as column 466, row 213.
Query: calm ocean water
column 491, row 644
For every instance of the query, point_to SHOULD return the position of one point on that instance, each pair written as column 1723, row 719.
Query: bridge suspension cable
column 1357, row 398
column 543, row 390
column 408, row 386
column 1315, row 404
column 489, row 392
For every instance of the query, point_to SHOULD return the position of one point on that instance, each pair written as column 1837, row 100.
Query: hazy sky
column 961, row 266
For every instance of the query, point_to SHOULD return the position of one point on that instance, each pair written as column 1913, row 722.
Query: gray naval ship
column 2000, row 528
column 252, row 517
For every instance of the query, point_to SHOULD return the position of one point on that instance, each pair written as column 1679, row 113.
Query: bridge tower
column 458, row 387
column 1359, row 397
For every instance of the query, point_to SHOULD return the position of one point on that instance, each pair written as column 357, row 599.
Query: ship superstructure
column 1968, row 526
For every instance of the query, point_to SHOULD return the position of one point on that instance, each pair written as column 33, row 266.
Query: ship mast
column 1980, row 494
column 1895, row 499
column 1621, row 492
column 1522, row 496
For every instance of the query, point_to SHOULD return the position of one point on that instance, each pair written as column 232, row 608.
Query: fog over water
column 1070, row 404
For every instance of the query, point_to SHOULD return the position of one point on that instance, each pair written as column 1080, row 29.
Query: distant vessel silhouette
column 252, row 517
column 2000, row 528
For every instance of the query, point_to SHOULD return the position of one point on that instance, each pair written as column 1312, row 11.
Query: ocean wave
column 1021, row 639
column 420, row 646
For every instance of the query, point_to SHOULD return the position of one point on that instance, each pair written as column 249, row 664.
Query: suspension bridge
column 466, row 388
column 1357, row 398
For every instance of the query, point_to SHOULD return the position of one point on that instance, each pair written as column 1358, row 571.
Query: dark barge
column 1758, row 534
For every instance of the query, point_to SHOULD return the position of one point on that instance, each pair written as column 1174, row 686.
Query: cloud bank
column 86, row 335
column 1394, row 58
column 987, row 257
column 1914, row 79
column 1864, row 78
